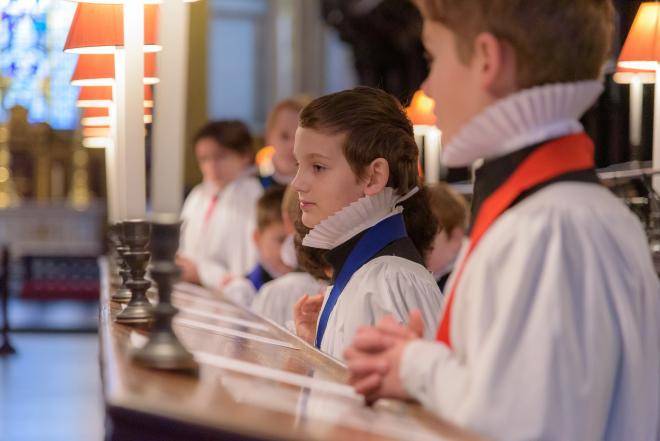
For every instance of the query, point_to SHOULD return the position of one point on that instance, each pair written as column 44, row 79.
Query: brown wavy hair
column 375, row 125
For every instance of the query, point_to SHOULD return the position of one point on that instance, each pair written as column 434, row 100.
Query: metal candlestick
column 135, row 235
column 122, row 294
column 163, row 350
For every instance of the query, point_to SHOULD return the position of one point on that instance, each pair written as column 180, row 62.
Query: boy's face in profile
column 218, row 164
column 281, row 138
column 269, row 243
column 444, row 251
column 325, row 182
column 453, row 84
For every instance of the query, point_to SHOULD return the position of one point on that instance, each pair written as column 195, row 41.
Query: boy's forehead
column 310, row 142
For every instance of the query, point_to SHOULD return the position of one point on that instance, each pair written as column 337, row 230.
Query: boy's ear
column 378, row 174
column 496, row 63
column 256, row 236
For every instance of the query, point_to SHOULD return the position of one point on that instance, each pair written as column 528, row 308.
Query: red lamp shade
column 99, row 29
column 642, row 49
column 101, row 96
column 95, row 112
column 420, row 110
column 99, row 70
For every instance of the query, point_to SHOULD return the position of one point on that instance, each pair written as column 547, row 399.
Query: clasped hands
column 374, row 357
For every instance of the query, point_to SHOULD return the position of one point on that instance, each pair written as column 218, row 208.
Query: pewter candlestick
column 163, row 349
column 135, row 234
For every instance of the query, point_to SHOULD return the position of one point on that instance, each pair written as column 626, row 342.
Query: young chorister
column 268, row 238
column 357, row 184
column 551, row 325
column 451, row 211
column 277, row 298
column 281, row 128
column 219, row 214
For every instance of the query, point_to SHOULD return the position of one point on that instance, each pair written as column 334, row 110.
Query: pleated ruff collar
column 520, row 120
column 355, row 218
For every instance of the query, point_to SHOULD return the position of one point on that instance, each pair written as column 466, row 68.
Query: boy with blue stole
column 357, row 184
column 276, row 298
column 551, row 326
column 269, row 236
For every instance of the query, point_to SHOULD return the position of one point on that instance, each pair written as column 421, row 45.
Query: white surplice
column 221, row 244
column 556, row 322
column 386, row 285
column 276, row 298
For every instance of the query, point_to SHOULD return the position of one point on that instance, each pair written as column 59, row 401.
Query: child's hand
column 188, row 269
column 305, row 314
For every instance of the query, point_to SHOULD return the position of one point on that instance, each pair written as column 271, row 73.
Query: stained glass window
column 34, row 72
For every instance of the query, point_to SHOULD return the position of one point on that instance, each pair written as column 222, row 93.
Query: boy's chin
column 309, row 221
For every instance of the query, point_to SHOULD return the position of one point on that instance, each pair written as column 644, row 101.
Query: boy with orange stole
column 551, row 325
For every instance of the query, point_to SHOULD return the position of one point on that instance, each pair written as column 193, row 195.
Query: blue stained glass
column 36, row 72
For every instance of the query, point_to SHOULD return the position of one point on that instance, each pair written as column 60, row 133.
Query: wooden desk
column 256, row 382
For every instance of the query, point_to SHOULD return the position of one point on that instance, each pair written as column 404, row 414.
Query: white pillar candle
column 129, row 73
column 170, row 117
column 656, row 129
column 636, row 98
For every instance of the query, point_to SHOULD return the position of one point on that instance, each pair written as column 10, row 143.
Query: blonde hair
column 296, row 104
column 448, row 206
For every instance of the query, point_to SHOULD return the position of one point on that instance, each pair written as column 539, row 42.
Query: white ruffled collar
column 520, row 120
column 355, row 218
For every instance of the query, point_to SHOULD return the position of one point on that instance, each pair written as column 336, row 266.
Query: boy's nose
column 297, row 183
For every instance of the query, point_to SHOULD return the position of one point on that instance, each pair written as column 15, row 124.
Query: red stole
column 551, row 160
column 210, row 208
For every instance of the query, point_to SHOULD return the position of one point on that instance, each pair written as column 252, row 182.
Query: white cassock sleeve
column 550, row 341
column 276, row 298
column 387, row 285
column 241, row 291
column 211, row 272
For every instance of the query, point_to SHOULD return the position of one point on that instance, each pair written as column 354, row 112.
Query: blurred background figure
column 219, row 214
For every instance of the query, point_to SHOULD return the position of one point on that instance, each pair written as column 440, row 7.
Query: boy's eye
column 318, row 167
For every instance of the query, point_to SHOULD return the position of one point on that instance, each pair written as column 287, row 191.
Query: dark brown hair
column 375, row 125
column 231, row 134
column 269, row 207
column 554, row 41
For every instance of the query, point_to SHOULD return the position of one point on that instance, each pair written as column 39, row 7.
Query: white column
column 169, row 114
column 656, row 128
column 287, row 77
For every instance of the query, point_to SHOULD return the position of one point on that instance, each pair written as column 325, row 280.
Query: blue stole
column 267, row 181
column 257, row 277
column 375, row 239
